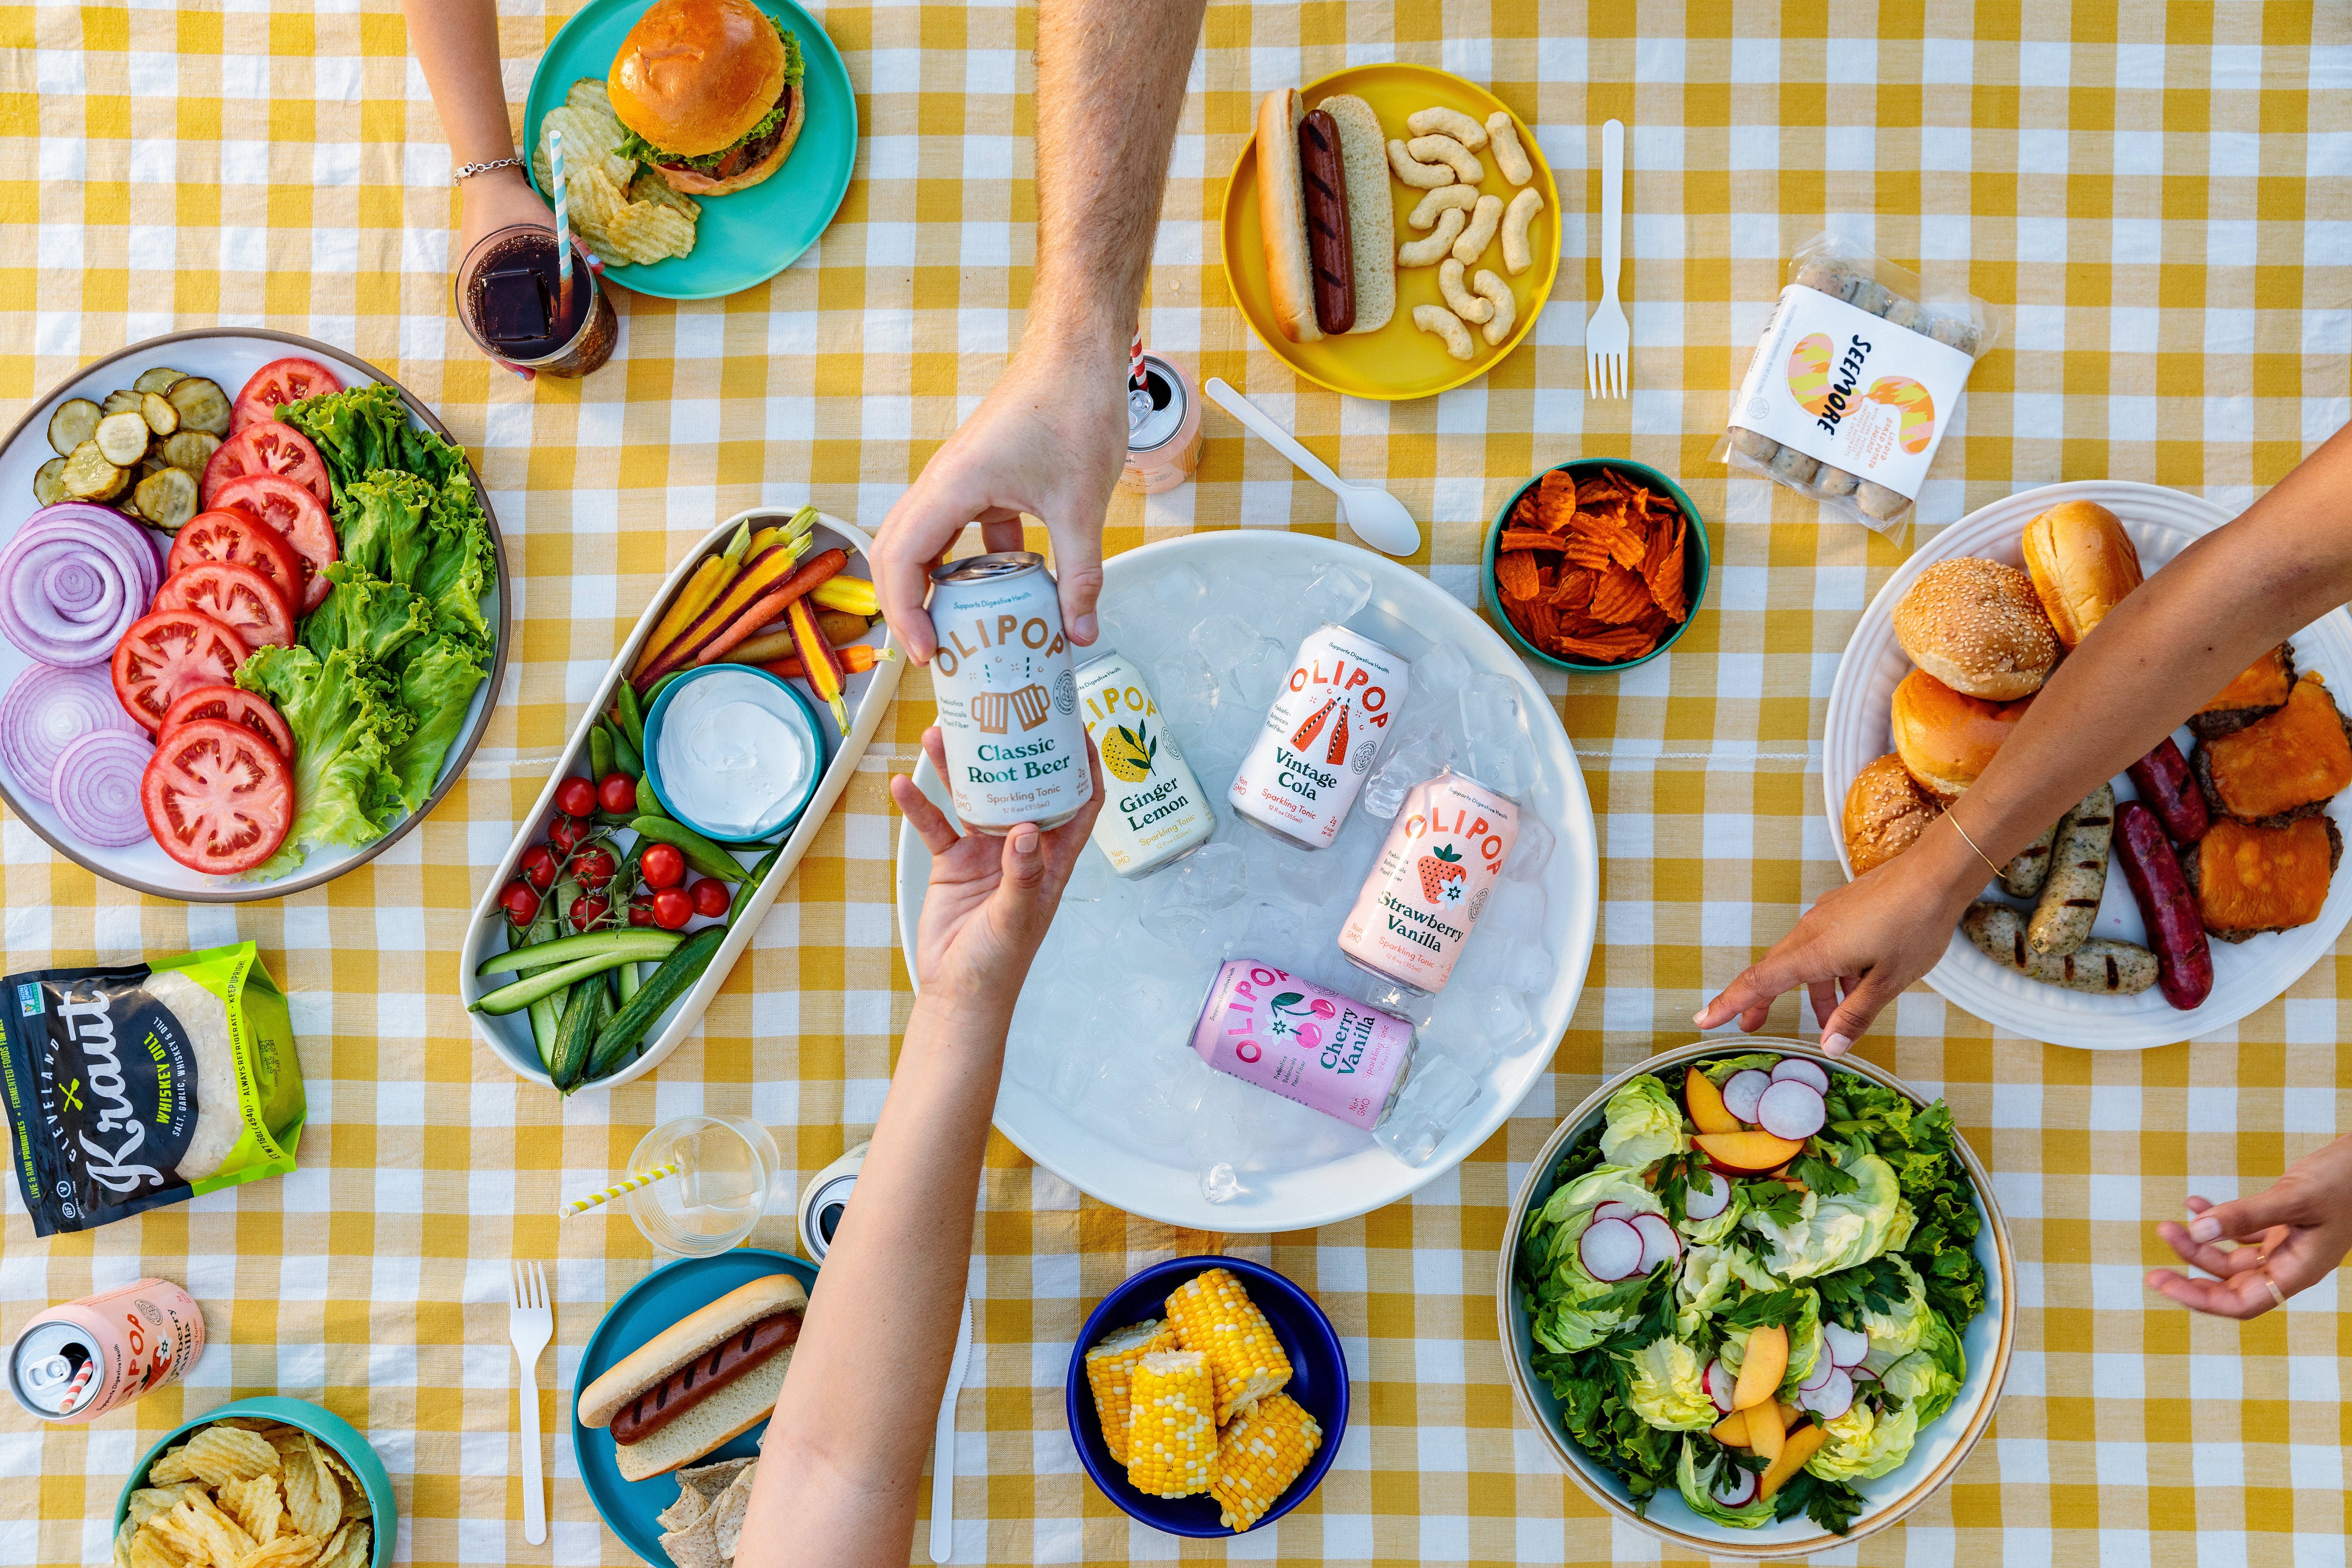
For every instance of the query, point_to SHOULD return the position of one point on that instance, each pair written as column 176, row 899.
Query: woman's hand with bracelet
column 495, row 199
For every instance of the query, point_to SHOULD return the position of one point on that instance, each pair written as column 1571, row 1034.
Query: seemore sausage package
column 1858, row 375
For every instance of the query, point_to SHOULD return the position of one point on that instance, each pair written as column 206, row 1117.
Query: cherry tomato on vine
column 664, row 865
column 519, row 903
column 672, row 909
column 566, row 833
column 538, row 867
column 710, row 897
column 617, row 792
column 575, row 797
column 641, row 912
column 586, row 910
column 594, row 867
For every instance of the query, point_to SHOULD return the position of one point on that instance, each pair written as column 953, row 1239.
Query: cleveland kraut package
column 1858, row 375
column 131, row 1086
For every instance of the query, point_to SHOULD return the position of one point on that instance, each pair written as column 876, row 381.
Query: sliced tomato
column 236, row 596
column 267, row 447
column 221, row 535
column 297, row 515
column 275, row 384
column 165, row 656
column 244, row 709
column 219, row 799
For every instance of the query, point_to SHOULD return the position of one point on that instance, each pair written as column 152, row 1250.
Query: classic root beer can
column 1153, row 811
column 78, row 1361
column 1304, row 770
column 1008, row 702
column 1290, row 1036
column 1443, row 855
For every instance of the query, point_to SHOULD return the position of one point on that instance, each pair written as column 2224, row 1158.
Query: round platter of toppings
column 1758, row 1301
column 252, row 612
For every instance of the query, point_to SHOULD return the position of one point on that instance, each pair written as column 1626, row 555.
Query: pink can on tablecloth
column 1444, row 854
column 80, row 1360
column 1329, row 1052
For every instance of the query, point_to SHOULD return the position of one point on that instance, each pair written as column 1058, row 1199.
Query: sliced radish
column 1741, row 1090
column 1792, row 1109
column 1609, row 1250
column 1720, row 1385
column 1615, row 1208
column 1802, row 1071
column 1860, row 1375
column 1659, row 1242
column 1736, row 1489
column 1708, row 1202
column 1832, row 1400
column 1847, row 1346
column 1820, row 1375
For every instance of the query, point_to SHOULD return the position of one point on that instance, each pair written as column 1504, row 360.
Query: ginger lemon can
column 1443, row 855
column 1153, row 811
column 1304, row 769
column 1008, row 702
column 80, row 1360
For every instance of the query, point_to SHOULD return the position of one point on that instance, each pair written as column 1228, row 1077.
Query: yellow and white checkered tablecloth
column 2162, row 195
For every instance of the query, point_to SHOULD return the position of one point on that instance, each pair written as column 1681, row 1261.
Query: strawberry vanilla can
column 78, row 1360
column 1443, row 855
column 1309, row 762
column 1290, row 1036
column 1008, row 701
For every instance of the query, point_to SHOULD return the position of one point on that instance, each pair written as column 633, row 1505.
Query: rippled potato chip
column 149, row 1501
column 154, row 1548
column 286, row 1551
column 122, row 1539
column 172, row 1467
column 219, row 1455
column 314, row 1499
column 349, row 1549
column 257, row 1505
column 224, row 1542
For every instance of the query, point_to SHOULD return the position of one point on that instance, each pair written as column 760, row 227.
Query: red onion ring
column 95, row 786
column 48, row 710
column 75, row 590
column 73, row 581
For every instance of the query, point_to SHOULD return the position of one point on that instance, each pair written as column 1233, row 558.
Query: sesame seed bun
column 2082, row 562
column 695, row 76
column 1946, row 737
column 1886, row 812
column 1979, row 628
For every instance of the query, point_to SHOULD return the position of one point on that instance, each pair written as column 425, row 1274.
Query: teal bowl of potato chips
column 270, row 1482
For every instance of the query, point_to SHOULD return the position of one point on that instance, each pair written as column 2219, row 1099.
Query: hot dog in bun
column 710, row 93
column 1328, row 223
column 701, row 1383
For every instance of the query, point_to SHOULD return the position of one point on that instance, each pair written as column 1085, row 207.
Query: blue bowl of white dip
column 733, row 752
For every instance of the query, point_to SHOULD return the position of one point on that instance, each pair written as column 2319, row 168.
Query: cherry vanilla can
column 1008, row 701
column 1443, row 855
column 80, row 1360
column 1288, row 1036
column 1309, row 763
column 1153, row 812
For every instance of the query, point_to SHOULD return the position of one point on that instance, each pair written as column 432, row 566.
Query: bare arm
column 1052, row 435
column 2154, row 659
column 844, row 1456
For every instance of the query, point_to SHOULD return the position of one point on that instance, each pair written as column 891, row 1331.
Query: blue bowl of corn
column 1207, row 1396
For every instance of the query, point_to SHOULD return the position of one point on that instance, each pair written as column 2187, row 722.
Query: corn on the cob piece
column 1110, row 1372
column 1212, row 1313
column 1259, row 1456
column 1172, row 1435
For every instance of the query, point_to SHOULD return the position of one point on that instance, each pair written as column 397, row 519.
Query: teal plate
column 645, row 1309
column 749, row 237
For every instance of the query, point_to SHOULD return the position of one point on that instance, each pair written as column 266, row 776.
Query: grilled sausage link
column 2030, row 867
column 2184, row 963
column 2163, row 780
column 705, row 1375
column 1324, row 177
column 2078, row 876
column 2104, row 967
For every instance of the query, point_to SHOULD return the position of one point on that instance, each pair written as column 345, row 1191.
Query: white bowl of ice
column 1101, row 1086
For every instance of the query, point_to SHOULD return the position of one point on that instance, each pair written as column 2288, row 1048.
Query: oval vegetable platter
column 2247, row 974
column 675, row 1002
column 80, row 586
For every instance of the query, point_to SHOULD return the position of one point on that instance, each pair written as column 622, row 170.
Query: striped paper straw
column 1135, row 364
column 626, row 1184
column 562, row 232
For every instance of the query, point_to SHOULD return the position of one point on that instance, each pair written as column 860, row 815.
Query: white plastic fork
column 1607, row 337
column 531, row 1322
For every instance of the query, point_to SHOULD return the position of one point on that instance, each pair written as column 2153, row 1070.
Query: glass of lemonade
column 726, row 1164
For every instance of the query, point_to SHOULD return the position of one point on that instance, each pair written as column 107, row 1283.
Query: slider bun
column 685, row 1339
column 1945, row 737
column 2082, row 562
column 1977, row 626
column 695, row 76
column 1886, row 812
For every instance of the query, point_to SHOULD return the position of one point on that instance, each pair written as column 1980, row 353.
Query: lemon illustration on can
column 1127, row 754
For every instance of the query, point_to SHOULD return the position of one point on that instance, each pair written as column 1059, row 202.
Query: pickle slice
column 123, row 439
column 88, row 476
column 75, row 421
column 49, row 482
column 158, row 380
column 191, row 449
column 121, row 401
column 201, row 404
column 157, row 410
column 167, row 497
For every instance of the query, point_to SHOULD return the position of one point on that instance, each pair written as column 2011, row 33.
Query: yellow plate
column 1400, row 361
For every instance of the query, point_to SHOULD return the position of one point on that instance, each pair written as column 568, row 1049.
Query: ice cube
column 1416, row 754
column 1335, row 593
column 1433, row 1100
column 1515, row 910
column 1179, row 906
column 1389, row 998
column 1255, row 677
column 1438, row 677
column 1496, row 748
column 1185, row 688
column 1070, row 1074
column 1505, row 1019
column 1091, row 880
column 1276, row 934
column 1179, row 593
column 1224, row 639
column 1298, row 876
column 1532, row 850
column 1220, row 1183
column 1131, row 623
column 1528, row 969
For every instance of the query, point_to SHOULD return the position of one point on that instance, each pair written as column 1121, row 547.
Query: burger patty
column 746, row 154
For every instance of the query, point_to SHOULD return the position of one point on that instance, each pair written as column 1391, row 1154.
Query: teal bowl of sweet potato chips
column 1596, row 565
column 226, row 1485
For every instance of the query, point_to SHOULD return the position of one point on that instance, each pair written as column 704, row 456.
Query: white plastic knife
column 943, row 1445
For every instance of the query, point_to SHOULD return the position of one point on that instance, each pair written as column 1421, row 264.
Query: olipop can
column 1443, row 855
column 80, row 1360
column 1304, row 769
column 1008, row 702
column 1163, row 429
column 1287, row 1035
column 1153, row 811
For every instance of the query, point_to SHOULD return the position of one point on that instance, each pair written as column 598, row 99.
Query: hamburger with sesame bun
column 709, row 91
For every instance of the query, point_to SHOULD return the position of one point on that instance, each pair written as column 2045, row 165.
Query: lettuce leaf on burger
column 709, row 91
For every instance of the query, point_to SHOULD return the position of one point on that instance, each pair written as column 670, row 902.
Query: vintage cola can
column 1288, row 1036
column 1304, row 769
column 1443, row 855
column 1008, row 702
column 78, row 1361
column 1154, row 812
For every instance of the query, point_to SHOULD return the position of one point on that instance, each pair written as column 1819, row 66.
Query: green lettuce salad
column 376, row 687
column 1856, row 1249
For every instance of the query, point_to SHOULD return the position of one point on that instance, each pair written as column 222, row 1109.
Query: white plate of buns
column 1949, row 737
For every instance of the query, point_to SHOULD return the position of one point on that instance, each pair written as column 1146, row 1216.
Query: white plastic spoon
column 1378, row 518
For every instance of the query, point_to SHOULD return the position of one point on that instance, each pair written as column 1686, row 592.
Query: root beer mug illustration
column 1008, row 702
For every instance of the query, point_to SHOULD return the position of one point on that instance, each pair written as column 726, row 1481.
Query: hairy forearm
column 456, row 44
column 1110, row 85
column 2167, row 649
column 844, row 1457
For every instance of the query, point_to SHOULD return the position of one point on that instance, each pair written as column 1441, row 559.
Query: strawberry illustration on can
column 1443, row 855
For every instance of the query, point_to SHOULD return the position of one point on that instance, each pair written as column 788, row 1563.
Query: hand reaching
column 2291, row 1235
column 500, row 199
column 1049, row 441
column 990, row 898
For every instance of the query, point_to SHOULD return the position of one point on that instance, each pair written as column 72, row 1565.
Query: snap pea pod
column 760, row 869
column 655, row 690
column 624, row 755
column 522, row 993
column 599, row 751
column 564, row 950
column 648, row 803
column 701, row 853
column 584, row 1015
column 631, row 717
column 677, row 974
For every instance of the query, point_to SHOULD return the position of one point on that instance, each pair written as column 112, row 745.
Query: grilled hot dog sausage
column 2163, row 781
column 2030, row 867
column 2105, row 967
column 2078, row 875
column 2184, row 963
column 1324, row 178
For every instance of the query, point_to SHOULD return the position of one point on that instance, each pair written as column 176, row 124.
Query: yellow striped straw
column 626, row 1184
